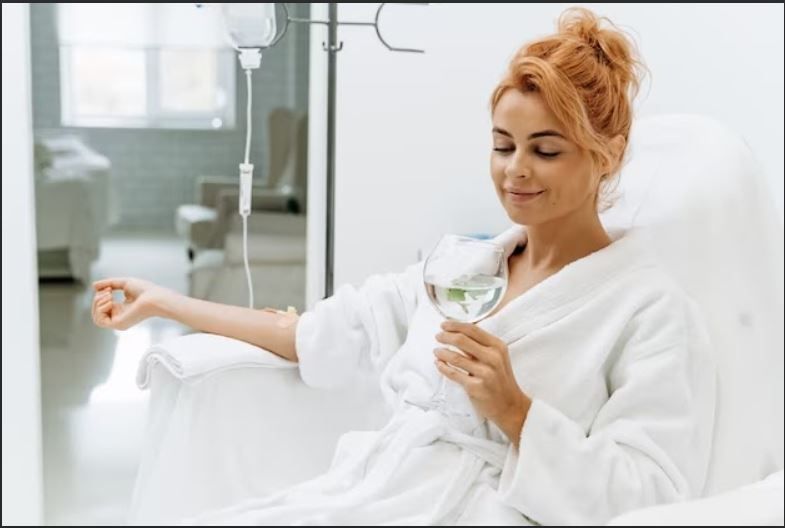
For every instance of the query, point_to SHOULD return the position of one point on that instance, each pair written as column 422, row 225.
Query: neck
column 554, row 244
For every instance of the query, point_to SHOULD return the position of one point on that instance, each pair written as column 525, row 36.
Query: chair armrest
column 197, row 224
column 269, row 200
column 262, row 200
column 210, row 189
column 760, row 503
column 193, row 357
column 238, row 434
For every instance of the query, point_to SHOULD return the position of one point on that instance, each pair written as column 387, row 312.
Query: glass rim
column 467, row 239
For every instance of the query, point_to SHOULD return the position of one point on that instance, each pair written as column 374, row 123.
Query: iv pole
column 332, row 47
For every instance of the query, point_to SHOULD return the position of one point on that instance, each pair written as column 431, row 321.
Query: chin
column 526, row 218
column 523, row 215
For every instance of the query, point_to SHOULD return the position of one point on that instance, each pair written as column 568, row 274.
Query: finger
column 468, row 364
column 97, row 299
column 472, row 330
column 101, row 317
column 462, row 342
column 455, row 375
column 104, row 319
column 103, row 305
column 125, row 316
column 113, row 283
column 488, row 354
column 94, row 304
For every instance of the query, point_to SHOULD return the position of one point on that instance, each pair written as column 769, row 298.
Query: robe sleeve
column 649, row 443
column 356, row 328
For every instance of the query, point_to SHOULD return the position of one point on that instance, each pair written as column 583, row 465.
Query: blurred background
column 123, row 125
column 138, row 126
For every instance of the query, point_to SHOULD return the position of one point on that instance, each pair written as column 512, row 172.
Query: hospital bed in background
column 76, row 203
column 696, row 191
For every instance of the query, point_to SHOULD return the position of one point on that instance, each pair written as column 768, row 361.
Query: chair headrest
column 695, row 191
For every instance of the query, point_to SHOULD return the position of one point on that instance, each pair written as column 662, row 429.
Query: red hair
column 588, row 76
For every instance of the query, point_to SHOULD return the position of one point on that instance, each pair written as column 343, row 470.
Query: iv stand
column 332, row 47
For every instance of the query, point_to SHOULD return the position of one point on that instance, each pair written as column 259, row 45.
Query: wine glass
column 466, row 279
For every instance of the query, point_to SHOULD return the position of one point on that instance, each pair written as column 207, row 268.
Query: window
column 144, row 65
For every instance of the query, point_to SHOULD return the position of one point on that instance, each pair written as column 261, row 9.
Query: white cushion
column 190, row 214
column 758, row 504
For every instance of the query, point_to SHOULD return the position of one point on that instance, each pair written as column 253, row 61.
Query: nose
column 517, row 166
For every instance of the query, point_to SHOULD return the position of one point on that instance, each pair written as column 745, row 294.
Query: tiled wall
column 155, row 169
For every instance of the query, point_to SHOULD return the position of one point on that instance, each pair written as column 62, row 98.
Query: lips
column 525, row 193
column 520, row 196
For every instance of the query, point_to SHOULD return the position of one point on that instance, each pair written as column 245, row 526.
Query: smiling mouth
column 519, row 197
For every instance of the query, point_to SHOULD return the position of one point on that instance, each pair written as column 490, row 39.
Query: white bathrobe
column 616, row 361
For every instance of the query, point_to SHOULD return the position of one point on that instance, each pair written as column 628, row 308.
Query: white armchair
column 276, row 259
column 204, row 225
column 237, row 431
column 281, row 187
column 696, row 190
column 276, row 227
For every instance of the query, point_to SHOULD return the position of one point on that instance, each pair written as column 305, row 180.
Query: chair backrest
column 695, row 190
column 282, row 141
column 300, row 182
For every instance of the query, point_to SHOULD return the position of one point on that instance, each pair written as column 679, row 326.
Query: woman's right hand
column 141, row 299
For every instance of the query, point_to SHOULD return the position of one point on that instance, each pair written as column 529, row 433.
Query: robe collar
column 560, row 293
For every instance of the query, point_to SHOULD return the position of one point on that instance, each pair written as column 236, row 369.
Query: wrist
column 165, row 304
column 515, row 418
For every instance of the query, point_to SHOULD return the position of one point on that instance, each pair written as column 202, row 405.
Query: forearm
column 269, row 330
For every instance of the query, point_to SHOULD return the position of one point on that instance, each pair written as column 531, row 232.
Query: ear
column 616, row 147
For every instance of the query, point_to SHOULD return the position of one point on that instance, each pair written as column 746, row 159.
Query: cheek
column 497, row 171
column 567, row 181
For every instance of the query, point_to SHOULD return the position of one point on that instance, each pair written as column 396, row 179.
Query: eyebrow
column 535, row 135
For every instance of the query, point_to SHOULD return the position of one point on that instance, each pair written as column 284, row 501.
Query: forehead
column 524, row 112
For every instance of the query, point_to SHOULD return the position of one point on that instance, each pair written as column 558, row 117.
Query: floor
column 92, row 412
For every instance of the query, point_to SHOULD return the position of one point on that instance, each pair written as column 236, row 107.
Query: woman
column 592, row 379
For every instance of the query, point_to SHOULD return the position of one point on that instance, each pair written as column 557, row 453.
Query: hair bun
column 582, row 24
column 610, row 45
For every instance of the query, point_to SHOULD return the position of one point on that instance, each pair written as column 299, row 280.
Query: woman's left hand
column 489, row 381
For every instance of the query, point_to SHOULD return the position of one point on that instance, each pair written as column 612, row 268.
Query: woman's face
column 539, row 175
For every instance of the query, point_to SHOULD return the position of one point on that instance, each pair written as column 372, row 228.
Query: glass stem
column 440, row 395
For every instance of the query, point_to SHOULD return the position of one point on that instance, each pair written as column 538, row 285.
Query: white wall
column 413, row 130
column 21, row 395
column 317, row 159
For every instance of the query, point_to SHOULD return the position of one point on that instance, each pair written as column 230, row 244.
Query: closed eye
column 547, row 155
